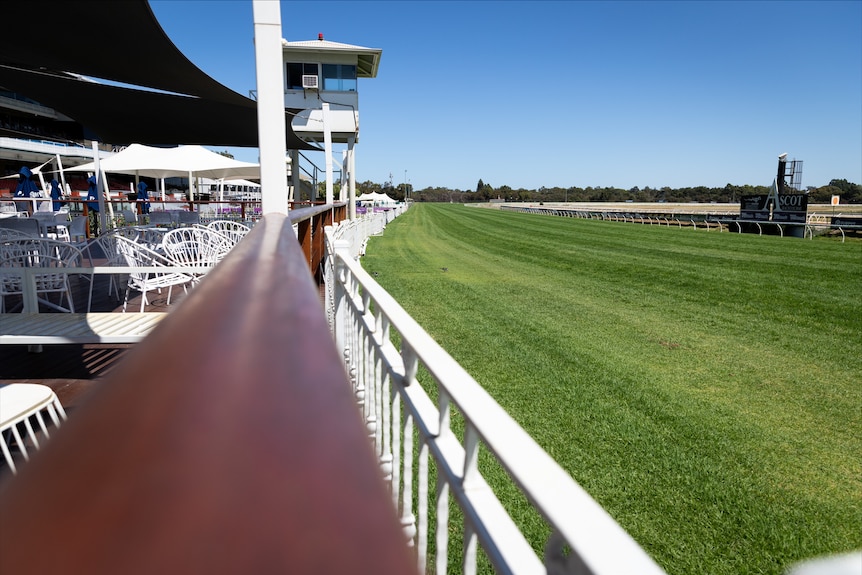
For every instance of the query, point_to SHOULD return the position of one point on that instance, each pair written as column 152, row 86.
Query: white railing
column 356, row 234
column 408, row 429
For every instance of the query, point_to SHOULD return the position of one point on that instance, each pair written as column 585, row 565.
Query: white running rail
column 398, row 411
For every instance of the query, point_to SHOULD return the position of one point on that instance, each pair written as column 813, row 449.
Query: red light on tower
column 320, row 36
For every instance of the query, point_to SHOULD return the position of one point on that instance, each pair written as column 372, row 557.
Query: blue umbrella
column 92, row 194
column 144, row 196
column 56, row 194
column 26, row 187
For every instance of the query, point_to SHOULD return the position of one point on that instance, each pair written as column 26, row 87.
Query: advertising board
column 792, row 208
column 754, row 208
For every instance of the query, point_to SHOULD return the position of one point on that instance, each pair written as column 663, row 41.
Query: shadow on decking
column 72, row 370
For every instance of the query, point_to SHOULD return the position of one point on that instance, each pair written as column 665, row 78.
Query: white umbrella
column 179, row 162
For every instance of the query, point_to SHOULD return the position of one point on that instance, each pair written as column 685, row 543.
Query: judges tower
column 321, row 79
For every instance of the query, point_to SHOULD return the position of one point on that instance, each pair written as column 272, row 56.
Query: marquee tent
column 376, row 199
column 179, row 162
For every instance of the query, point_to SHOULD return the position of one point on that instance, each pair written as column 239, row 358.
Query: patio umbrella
column 92, row 194
column 153, row 162
column 26, row 187
column 55, row 195
column 144, row 196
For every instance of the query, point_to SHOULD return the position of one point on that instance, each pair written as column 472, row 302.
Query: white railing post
column 408, row 520
column 340, row 314
column 422, row 531
column 442, row 538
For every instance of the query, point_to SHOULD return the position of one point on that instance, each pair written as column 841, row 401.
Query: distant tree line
column 850, row 193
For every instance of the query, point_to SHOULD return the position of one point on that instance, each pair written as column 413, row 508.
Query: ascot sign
column 774, row 207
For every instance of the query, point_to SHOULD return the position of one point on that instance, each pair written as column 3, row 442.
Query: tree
column 368, row 187
column 850, row 193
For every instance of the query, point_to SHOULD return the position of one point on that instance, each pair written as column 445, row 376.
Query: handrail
column 226, row 442
column 310, row 223
column 584, row 538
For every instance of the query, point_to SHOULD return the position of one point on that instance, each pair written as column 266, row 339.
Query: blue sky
column 575, row 93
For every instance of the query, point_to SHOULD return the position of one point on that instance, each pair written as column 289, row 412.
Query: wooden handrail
column 228, row 441
column 310, row 222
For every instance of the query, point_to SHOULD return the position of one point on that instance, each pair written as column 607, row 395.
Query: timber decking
column 73, row 370
column 57, row 328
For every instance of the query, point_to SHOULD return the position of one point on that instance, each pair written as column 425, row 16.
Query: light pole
column 405, row 186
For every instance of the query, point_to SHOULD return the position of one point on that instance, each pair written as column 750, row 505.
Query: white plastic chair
column 138, row 255
column 77, row 229
column 29, row 226
column 19, row 404
column 107, row 244
column 46, row 222
column 234, row 230
column 61, row 226
column 130, row 218
column 195, row 246
column 7, row 234
column 48, row 255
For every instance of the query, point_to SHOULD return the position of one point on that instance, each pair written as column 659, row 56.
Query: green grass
column 704, row 387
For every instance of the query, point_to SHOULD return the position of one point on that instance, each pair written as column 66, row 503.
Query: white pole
column 105, row 196
column 327, row 147
column 272, row 133
column 290, row 188
column 342, row 191
column 103, row 223
column 351, row 185
column 62, row 174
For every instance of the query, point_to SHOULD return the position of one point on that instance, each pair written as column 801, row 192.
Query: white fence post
column 342, row 250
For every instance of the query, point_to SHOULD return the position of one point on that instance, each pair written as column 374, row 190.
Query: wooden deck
column 75, row 370
column 71, row 370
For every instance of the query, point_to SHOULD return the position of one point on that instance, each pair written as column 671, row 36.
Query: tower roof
column 368, row 59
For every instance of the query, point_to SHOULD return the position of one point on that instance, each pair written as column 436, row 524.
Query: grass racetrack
column 704, row 387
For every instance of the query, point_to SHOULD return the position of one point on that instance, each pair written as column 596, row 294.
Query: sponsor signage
column 754, row 208
column 791, row 208
column 847, row 221
column 774, row 207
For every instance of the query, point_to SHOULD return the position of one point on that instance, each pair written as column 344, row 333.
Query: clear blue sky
column 575, row 93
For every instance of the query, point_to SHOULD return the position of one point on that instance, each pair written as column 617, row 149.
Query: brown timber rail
column 310, row 223
column 228, row 441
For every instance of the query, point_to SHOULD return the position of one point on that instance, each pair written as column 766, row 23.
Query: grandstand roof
column 122, row 41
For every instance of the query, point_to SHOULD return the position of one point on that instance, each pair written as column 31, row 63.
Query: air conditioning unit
column 309, row 82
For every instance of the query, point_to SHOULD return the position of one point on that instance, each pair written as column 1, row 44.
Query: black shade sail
column 121, row 41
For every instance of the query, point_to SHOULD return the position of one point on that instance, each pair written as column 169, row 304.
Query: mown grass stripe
column 702, row 386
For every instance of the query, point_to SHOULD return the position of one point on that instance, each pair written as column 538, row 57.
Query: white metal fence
column 414, row 434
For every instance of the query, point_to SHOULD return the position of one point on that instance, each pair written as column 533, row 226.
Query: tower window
column 339, row 77
column 294, row 73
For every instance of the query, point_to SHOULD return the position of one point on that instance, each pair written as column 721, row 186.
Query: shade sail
column 122, row 41
column 153, row 162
